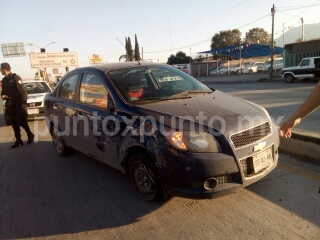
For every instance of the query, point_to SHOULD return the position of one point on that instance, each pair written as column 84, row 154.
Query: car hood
column 222, row 112
column 37, row 97
column 290, row 68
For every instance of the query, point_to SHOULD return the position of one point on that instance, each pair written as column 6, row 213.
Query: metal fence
column 203, row 69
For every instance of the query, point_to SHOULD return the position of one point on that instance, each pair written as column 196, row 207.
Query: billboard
column 95, row 59
column 47, row 60
column 13, row 50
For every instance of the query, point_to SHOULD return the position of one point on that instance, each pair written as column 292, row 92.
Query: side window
column 93, row 92
column 305, row 62
column 317, row 61
column 68, row 87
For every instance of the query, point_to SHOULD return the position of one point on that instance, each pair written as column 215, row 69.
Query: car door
column 63, row 107
column 305, row 70
column 95, row 125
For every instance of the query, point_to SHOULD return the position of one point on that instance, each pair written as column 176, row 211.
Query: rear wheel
column 145, row 179
column 58, row 143
column 289, row 78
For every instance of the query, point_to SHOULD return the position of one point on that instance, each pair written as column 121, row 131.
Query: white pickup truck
column 308, row 68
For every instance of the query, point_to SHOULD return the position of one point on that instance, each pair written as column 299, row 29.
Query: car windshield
column 36, row 87
column 156, row 83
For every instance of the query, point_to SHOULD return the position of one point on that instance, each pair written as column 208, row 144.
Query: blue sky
column 162, row 27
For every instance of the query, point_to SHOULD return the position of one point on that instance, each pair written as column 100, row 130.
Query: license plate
column 33, row 111
column 262, row 160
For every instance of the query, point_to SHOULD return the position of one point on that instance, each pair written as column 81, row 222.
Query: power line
column 190, row 24
column 207, row 39
column 303, row 11
column 191, row 45
column 304, row 6
column 254, row 21
column 298, row 8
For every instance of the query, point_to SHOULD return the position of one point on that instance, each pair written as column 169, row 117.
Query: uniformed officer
column 15, row 94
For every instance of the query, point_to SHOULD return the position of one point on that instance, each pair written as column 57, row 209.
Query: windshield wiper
column 185, row 94
column 151, row 98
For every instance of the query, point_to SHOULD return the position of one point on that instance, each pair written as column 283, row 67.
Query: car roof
column 123, row 65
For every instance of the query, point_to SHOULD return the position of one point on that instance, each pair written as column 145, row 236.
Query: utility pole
column 283, row 34
column 240, row 58
column 302, row 28
column 272, row 42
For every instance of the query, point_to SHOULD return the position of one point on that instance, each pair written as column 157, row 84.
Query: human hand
column 285, row 129
column 4, row 97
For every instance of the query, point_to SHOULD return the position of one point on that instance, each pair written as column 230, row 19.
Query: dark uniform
column 17, row 95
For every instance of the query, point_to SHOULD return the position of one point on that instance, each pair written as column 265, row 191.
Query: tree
column 136, row 49
column 225, row 38
column 130, row 51
column 257, row 35
column 179, row 58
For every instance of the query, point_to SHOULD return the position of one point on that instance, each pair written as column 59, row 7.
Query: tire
column 289, row 78
column 250, row 71
column 7, row 120
column 146, row 180
column 58, row 143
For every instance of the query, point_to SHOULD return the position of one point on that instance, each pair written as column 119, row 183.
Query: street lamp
column 42, row 49
column 49, row 44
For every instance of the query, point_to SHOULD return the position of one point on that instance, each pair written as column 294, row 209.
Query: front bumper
column 185, row 173
column 35, row 112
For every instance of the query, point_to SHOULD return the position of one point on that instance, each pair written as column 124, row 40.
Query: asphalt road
column 279, row 98
column 48, row 197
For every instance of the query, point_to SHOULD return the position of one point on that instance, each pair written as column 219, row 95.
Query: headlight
column 194, row 141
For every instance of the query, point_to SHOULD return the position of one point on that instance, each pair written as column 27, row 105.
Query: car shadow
column 44, row 195
column 291, row 192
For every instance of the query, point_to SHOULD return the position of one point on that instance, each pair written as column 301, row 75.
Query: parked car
column 36, row 91
column 266, row 67
column 236, row 69
column 252, row 68
column 308, row 68
column 146, row 120
column 214, row 71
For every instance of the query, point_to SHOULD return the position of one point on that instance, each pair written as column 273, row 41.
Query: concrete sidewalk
column 302, row 143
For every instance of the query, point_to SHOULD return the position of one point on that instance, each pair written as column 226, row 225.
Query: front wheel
column 145, row 179
column 289, row 78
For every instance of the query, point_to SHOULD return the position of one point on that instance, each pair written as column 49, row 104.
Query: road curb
column 303, row 144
